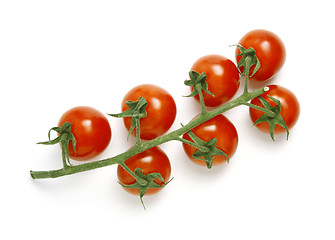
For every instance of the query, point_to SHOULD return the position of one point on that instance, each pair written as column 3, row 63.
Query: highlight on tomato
column 90, row 128
column 222, row 79
column 161, row 110
column 219, row 127
column 290, row 108
column 270, row 51
column 153, row 160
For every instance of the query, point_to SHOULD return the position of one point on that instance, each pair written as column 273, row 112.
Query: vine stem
column 191, row 144
column 201, row 98
column 266, row 111
column 138, row 132
column 138, row 148
column 246, row 75
column 142, row 182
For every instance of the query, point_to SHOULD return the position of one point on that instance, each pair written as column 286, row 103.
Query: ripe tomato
column 270, row 51
column 161, row 110
column 91, row 130
column 220, row 128
column 150, row 161
column 290, row 108
column 222, row 79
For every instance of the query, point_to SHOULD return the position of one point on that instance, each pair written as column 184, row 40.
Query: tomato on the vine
column 90, row 128
column 219, row 127
column 150, row 161
column 222, row 78
column 290, row 108
column 161, row 110
column 270, row 51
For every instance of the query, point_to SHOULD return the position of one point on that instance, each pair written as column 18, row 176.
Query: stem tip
column 32, row 174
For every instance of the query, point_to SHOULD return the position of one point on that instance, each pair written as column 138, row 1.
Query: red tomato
column 270, row 51
column 161, row 110
column 220, row 128
column 290, row 108
column 91, row 130
column 150, row 161
column 222, row 79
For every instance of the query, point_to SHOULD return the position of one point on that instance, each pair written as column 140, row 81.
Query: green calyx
column 206, row 150
column 136, row 111
column 277, row 119
column 199, row 84
column 145, row 181
column 197, row 80
column 248, row 59
column 64, row 138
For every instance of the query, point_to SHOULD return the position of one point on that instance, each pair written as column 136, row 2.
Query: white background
column 55, row 55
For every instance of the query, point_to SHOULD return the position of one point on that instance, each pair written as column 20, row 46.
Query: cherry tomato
column 91, row 130
column 270, row 51
column 150, row 161
column 290, row 108
column 161, row 110
column 219, row 127
column 222, row 78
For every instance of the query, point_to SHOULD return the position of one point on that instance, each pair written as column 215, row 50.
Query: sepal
column 272, row 121
column 64, row 138
column 206, row 150
column 146, row 181
column 197, row 80
column 136, row 111
column 248, row 59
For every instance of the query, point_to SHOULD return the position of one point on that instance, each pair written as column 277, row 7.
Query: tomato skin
column 91, row 130
column 219, row 127
column 150, row 161
column 222, row 78
column 161, row 110
column 290, row 108
column 270, row 51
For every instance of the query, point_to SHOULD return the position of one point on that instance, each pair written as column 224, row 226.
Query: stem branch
column 141, row 181
column 201, row 97
column 191, row 143
column 266, row 111
column 138, row 132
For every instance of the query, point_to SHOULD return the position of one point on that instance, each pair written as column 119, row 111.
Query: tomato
column 290, row 108
column 161, row 110
column 222, row 78
column 270, row 51
column 150, row 161
column 91, row 130
column 219, row 127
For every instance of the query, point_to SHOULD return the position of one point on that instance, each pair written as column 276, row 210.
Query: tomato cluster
column 92, row 131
